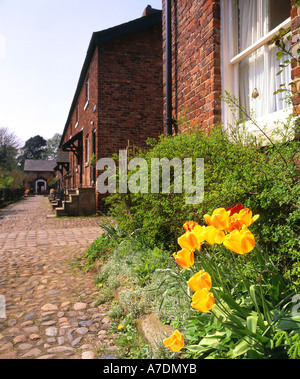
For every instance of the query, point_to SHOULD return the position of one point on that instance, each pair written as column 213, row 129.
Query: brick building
column 118, row 100
column 219, row 45
column 37, row 175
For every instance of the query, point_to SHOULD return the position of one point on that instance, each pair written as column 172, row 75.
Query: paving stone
column 51, row 308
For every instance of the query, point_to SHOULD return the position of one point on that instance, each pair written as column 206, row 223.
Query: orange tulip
column 240, row 242
column 189, row 226
column 199, row 281
column 184, row 258
column 175, row 342
column 189, row 241
column 219, row 218
column 245, row 215
column 203, row 300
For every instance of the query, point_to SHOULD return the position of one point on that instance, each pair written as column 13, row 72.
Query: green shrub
column 264, row 179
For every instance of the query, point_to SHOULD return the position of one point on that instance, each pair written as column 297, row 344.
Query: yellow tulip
column 203, row 300
column 184, row 258
column 175, row 342
column 219, row 218
column 240, row 242
column 213, row 235
column 199, row 281
column 198, row 231
column 189, row 241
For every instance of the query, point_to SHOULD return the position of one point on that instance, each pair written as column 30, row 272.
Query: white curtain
column 257, row 73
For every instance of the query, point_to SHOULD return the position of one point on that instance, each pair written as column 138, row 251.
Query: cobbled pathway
column 49, row 305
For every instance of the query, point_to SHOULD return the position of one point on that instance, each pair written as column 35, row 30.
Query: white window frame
column 230, row 66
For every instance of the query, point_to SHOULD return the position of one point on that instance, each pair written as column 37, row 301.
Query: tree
column 34, row 148
column 52, row 146
column 9, row 145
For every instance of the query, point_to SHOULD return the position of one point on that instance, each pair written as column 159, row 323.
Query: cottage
column 118, row 100
column 213, row 46
column 37, row 174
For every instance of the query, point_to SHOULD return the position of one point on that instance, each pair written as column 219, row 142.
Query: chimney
column 149, row 10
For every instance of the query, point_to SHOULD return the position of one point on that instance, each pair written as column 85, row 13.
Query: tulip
column 240, row 242
column 235, row 209
column 245, row 215
column 184, row 258
column 199, row 281
column 175, row 342
column 219, row 218
column 203, row 300
column 189, row 241
column 189, row 226
column 213, row 235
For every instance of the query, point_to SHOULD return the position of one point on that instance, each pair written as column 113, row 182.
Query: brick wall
column 130, row 91
column 196, row 59
column 85, row 118
column 295, row 16
column 126, row 99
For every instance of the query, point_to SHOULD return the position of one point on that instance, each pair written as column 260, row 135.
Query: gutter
column 169, row 120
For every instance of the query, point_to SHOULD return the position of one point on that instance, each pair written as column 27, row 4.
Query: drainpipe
column 169, row 120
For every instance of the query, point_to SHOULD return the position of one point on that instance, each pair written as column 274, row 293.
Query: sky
column 43, row 44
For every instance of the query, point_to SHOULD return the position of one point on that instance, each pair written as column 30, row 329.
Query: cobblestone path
column 48, row 304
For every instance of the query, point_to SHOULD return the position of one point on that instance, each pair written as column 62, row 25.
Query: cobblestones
column 49, row 304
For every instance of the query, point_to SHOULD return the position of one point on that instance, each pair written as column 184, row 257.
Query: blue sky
column 43, row 44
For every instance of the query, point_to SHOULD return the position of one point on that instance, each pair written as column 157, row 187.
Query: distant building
column 38, row 172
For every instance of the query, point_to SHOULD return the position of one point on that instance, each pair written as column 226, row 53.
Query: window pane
column 255, row 18
column 252, row 83
column 251, row 15
column 279, row 11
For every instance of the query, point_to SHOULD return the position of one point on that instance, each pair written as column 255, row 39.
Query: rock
column 51, row 332
column 7, row 346
column 80, row 306
column 31, row 329
column 76, row 341
column 49, row 307
column 18, row 339
column 34, row 337
column 32, row 353
column 82, row 330
column 10, row 355
column 88, row 355
column 60, row 349
column 25, row 346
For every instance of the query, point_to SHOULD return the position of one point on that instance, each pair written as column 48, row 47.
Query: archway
column 40, row 186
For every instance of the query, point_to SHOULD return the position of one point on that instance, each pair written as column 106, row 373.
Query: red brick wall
column 87, row 121
column 196, row 59
column 130, row 91
column 125, row 77
column 295, row 16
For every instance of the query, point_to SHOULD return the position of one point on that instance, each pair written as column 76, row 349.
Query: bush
column 264, row 179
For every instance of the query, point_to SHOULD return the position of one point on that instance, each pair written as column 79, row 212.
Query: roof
column 39, row 165
column 107, row 35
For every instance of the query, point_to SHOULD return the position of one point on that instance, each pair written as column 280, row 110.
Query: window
column 87, row 92
column 250, row 65
column 77, row 116
column 87, row 148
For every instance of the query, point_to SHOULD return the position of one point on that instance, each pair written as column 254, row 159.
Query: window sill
column 86, row 105
column 271, row 124
column 76, row 125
